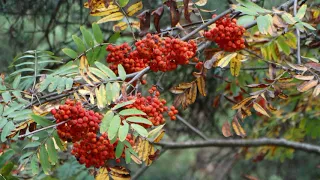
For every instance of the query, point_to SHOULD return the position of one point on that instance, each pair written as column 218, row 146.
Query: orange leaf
column 305, row 86
column 237, row 128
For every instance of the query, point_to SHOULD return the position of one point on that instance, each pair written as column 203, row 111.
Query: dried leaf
column 144, row 149
column 260, row 109
column 302, row 77
column 316, row 91
column 174, row 12
column 176, row 90
column 258, row 85
column 297, row 67
column 242, row 103
column 193, row 93
column 186, row 10
column 157, row 14
column 111, row 17
column 282, row 95
column 276, row 20
column 144, row 22
column 134, row 8
column 225, row 60
column 313, row 65
column 305, row 86
column 226, row 130
column 237, row 127
column 209, row 63
column 201, row 2
column 120, row 26
column 201, row 85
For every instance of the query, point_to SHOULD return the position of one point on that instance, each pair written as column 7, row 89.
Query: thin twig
column 194, row 129
column 295, row 6
column 242, row 143
column 42, row 129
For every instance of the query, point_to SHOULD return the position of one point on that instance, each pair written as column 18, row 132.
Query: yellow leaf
column 103, row 174
column 112, row 17
column 235, row 66
column 226, row 130
column 120, row 26
column 259, row 109
column 201, row 85
column 237, row 128
column 305, row 86
column 316, row 91
column 242, row 103
column 201, row 2
column 135, row 24
column 192, row 95
column 134, row 8
column 185, row 85
column 144, row 149
column 225, row 60
column 302, row 77
column 159, row 136
column 116, row 173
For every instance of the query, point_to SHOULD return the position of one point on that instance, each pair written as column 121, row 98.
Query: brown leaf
column 278, row 21
column 216, row 101
column 302, row 77
column 144, row 22
column 185, row 85
column 305, row 86
column 177, row 90
column 144, row 148
column 209, row 63
column 120, row 26
column 186, row 10
column 157, row 14
column 297, row 66
column 226, row 130
column 174, row 12
column 154, row 156
column 282, row 95
column 244, row 112
column 270, row 107
column 193, row 93
column 237, row 127
column 201, row 85
column 313, row 65
column 260, row 109
column 178, row 100
column 242, row 103
column 316, row 91
column 285, row 80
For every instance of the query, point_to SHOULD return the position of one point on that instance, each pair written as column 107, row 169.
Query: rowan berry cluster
column 153, row 107
column 95, row 151
column 161, row 54
column 79, row 121
column 227, row 34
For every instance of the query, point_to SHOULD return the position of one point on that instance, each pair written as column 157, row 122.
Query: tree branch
column 242, row 143
column 195, row 130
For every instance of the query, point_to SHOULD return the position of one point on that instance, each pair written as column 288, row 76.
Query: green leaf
column 5, row 171
column 1, row 109
column 54, row 83
column 121, row 72
column 6, row 156
column 155, row 131
column 114, row 37
column 128, row 156
column 300, row 27
column 52, row 152
column 12, row 109
column 114, row 126
column 136, row 119
column 140, row 130
column 244, row 20
column 97, row 33
column 25, row 155
column 105, row 69
column 264, row 24
column 123, row 131
column 3, row 121
column 34, row 165
column 225, row 60
column 62, row 84
column 80, row 45
column 87, row 36
column 106, row 121
column 44, row 160
column 22, row 70
column 282, row 45
column 69, row 83
column 41, row 120
column 308, row 26
column 98, row 73
column 32, row 145
column 6, row 96
column 109, row 92
column 16, row 81
column 58, row 141
column 129, row 112
column 7, row 130
column 288, row 18
column 69, row 52
column 302, row 11
column 2, row 86
column 115, row 91
column 123, row 3
column 247, row 11
column 45, row 83
column 119, row 149
column 250, row 5
column 123, row 104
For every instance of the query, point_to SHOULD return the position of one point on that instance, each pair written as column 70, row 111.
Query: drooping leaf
column 34, row 165
column 52, row 152
column 111, row 17
column 123, row 131
column 114, row 126
column 97, row 33
column 244, row 20
column 32, row 145
column 260, row 109
column 282, row 45
column 87, row 36
column 157, row 14
column 120, row 105
column 242, row 103
column 264, row 23
column 6, row 130
column 134, row 8
column 44, row 160
column 155, row 131
column 6, row 96
column 238, row 128
column 120, row 26
column 201, row 85
column 119, row 149
column 225, row 60
column 288, row 18
column 235, row 66
column 302, row 77
column 105, row 69
column 140, row 130
column 16, row 81
column 106, row 121
column 127, row 156
column 5, row 171
column 186, row 10
column 5, row 156
column 41, row 120
column 144, row 18
column 69, row 52
column 80, row 45
column 174, row 12
column 316, row 91
column 226, row 130
column 122, row 73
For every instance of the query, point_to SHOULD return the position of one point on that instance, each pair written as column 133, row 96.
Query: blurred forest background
column 49, row 25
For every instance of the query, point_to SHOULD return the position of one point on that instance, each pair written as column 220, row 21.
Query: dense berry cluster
column 79, row 121
column 161, row 54
column 227, row 34
column 95, row 151
column 153, row 107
